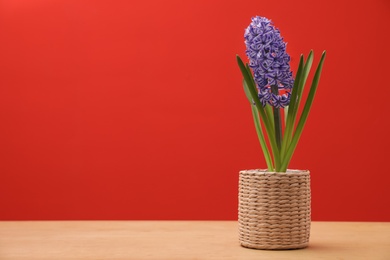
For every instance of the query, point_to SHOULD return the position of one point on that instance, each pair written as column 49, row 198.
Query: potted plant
column 274, row 203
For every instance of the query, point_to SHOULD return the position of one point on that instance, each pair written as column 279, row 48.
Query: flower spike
column 269, row 61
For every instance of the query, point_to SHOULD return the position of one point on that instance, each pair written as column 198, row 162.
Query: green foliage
column 282, row 145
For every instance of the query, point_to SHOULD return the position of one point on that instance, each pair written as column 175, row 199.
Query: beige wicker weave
column 274, row 209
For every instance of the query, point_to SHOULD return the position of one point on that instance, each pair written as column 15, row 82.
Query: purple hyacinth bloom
column 269, row 62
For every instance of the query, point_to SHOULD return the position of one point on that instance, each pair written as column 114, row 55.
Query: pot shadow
column 325, row 248
column 314, row 247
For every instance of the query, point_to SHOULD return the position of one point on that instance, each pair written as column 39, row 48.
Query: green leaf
column 268, row 108
column 261, row 138
column 302, row 83
column 305, row 113
column 285, row 114
column 290, row 121
column 250, row 83
column 247, row 92
column 268, row 126
column 259, row 130
column 295, row 100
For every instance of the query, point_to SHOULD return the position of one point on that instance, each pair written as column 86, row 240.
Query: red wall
column 135, row 110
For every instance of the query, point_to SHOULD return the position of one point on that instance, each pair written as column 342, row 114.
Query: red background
column 135, row 109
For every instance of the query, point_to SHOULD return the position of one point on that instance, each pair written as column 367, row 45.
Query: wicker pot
column 274, row 209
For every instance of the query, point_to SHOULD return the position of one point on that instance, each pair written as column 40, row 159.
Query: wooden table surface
column 172, row 240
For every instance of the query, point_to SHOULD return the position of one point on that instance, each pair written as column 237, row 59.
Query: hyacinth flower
column 270, row 87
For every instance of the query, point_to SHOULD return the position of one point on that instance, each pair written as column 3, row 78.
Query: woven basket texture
column 274, row 209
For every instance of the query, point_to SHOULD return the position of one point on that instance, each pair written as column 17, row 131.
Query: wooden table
column 61, row 240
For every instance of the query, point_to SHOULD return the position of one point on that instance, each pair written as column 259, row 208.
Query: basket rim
column 266, row 172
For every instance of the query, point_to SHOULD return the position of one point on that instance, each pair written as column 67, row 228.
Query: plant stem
column 277, row 123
